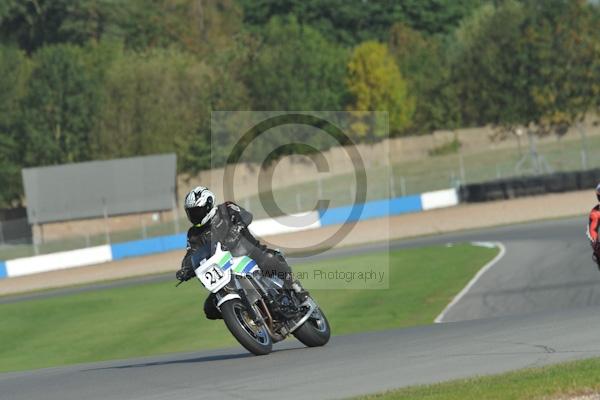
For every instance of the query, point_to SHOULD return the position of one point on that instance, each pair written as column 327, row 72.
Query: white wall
column 62, row 260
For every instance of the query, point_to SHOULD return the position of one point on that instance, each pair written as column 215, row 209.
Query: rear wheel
column 315, row 331
column 252, row 335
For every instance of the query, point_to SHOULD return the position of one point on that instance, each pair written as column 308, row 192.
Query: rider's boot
column 210, row 307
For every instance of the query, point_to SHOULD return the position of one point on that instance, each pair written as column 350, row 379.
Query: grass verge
column 157, row 318
column 560, row 381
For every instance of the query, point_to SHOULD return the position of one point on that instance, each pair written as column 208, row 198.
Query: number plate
column 213, row 277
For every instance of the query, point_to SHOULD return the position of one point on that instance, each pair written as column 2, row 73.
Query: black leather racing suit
column 229, row 226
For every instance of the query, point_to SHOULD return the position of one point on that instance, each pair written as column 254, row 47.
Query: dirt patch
column 468, row 216
column 592, row 396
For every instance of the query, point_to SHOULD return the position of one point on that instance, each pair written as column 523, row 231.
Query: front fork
column 252, row 294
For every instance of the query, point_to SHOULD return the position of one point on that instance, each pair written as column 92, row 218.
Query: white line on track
column 472, row 282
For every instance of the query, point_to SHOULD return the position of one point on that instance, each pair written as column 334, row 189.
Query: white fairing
column 216, row 271
column 213, row 272
column 227, row 298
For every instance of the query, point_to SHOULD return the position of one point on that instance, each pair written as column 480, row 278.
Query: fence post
column 106, row 229
column 298, row 205
column 402, row 186
column 392, row 183
column 1, row 233
column 175, row 213
column 461, row 162
column 36, row 232
column 534, row 153
column 584, row 154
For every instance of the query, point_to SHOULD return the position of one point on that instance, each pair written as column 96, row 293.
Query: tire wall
column 511, row 188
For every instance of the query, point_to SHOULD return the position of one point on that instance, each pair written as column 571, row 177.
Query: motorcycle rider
column 227, row 223
column 594, row 228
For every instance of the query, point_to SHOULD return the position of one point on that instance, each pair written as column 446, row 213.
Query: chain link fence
column 400, row 179
column 438, row 172
column 30, row 243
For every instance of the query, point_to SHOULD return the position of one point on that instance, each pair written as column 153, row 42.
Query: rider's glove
column 184, row 274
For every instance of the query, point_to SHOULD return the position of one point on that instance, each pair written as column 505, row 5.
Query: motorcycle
column 255, row 308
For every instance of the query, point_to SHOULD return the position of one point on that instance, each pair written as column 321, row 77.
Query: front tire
column 315, row 331
column 255, row 338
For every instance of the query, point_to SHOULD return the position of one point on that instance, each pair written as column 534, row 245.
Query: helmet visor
column 197, row 214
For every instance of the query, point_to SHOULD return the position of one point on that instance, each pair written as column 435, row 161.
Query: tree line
column 98, row 79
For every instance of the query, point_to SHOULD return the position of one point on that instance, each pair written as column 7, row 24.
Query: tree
column 199, row 26
column 10, row 172
column 485, row 59
column 437, row 16
column 32, row 24
column 531, row 63
column 564, row 40
column 154, row 102
column 423, row 62
column 60, row 109
column 347, row 22
column 295, row 68
column 355, row 21
column 376, row 84
column 14, row 68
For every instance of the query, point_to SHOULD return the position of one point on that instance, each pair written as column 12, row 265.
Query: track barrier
column 264, row 227
column 511, row 188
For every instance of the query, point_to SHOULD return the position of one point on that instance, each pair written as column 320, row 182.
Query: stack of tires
column 529, row 186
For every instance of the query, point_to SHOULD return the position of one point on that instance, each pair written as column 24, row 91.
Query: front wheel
column 253, row 336
column 315, row 331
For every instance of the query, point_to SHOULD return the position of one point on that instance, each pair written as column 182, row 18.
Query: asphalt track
column 536, row 306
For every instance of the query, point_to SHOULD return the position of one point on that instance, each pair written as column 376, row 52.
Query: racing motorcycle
column 256, row 309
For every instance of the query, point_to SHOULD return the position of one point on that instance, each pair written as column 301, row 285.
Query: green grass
column 451, row 147
column 158, row 318
column 558, row 381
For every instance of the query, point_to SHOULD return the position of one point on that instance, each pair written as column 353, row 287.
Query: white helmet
column 200, row 205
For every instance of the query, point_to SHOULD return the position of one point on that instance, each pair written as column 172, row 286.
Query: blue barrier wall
column 144, row 247
column 371, row 209
column 333, row 216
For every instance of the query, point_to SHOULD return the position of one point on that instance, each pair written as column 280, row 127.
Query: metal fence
column 80, row 237
column 440, row 172
column 401, row 178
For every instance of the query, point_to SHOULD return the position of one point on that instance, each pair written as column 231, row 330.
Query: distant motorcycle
column 256, row 309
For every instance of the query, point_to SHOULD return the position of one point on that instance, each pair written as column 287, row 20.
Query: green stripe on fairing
column 242, row 264
column 226, row 257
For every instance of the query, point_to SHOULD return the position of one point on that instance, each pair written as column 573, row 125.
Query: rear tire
column 315, row 331
column 254, row 338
